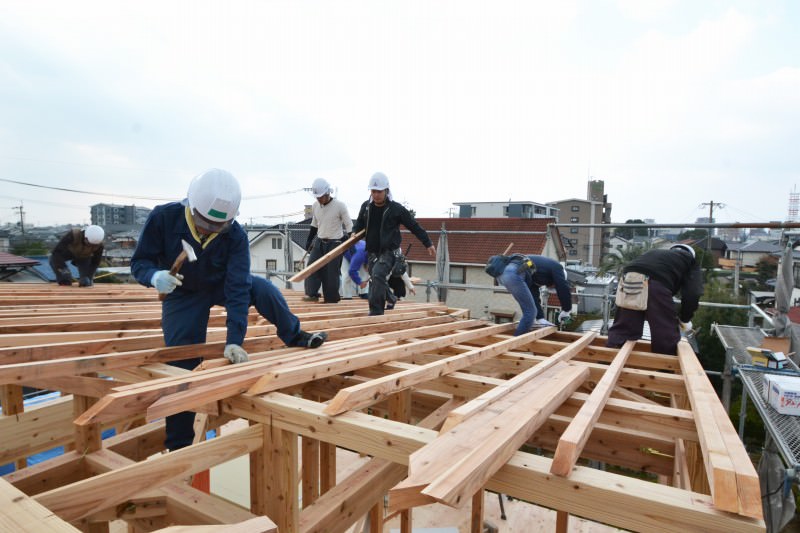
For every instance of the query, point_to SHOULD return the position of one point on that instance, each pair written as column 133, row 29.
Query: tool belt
column 632, row 291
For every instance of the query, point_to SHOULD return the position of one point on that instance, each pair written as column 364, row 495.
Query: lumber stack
column 446, row 407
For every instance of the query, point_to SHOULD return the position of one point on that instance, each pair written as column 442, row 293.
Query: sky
column 673, row 104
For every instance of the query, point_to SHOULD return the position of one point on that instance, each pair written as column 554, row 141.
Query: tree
column 693, row 234
column 613, row 263
column 29, row 247
column 629, row 233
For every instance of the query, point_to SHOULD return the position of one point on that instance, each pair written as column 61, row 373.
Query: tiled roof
column 7, row 260
column 476, row 248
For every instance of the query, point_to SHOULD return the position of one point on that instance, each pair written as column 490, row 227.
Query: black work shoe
column 310, row 340
column 310, row 298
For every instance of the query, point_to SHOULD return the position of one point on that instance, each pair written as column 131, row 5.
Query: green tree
column 766, row 268
column 613, row 263
column 629, row 233
column 29, row 247
column 693, row 234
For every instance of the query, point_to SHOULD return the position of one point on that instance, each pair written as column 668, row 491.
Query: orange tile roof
column 476, row 248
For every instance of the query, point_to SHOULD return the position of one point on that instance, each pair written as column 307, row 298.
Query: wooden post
column 280, row 449
column 476, row 518
column 327, row 470
column 562, row 521
column 13, row 403
column 311, row 470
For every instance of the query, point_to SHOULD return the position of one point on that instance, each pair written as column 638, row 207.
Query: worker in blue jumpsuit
column 219, row 276
column 523, row 277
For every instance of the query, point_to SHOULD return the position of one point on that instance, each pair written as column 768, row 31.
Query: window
column 573, row 241
column 277, row 243
column 573, row 252
column 576, row 208
column 298, row 266
column 574, row 230
column 272, row 264
column 458, row 274
column 573, row 219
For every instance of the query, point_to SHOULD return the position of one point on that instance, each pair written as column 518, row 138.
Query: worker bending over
column 668, row 272
column 84, row 247
column 523, row 277
column 219, row 276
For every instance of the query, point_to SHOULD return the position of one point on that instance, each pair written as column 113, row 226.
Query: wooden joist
column 564, row 394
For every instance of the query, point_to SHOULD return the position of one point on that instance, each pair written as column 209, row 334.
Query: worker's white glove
column 543, row 322
column 235, row 354
column 686, row 327
column 564, row 317
column 164, row 282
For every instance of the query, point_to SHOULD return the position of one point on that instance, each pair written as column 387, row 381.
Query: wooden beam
column 328, row 257
column 85, row 497
column 575, row 437
column 565, row 354
column 21, row 514
column 620, row 501
column 358, row 395
column 732, row 476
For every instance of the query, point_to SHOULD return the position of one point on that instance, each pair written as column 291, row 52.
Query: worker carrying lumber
column 381, row 217
column 523, row 276
column 661, row 274
column 84, row 247
column 330, row 225
column 220, row 275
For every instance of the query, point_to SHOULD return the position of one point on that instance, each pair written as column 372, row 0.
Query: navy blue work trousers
column 184, row 320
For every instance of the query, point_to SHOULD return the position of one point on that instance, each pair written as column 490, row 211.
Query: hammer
column 186, row 253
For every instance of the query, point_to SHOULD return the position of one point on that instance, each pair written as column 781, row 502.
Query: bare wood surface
column 574, row 438
column 327, row 258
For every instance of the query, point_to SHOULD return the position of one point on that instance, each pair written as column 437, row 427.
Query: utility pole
column 711, row 205
column 21, row 217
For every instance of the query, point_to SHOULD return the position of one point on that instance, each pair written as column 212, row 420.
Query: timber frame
column 446, row 407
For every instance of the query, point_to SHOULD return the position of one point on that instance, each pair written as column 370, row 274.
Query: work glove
column 686, row 327
column 235, row 354
column 564, row 317
column 541, row 322
column 164, row 282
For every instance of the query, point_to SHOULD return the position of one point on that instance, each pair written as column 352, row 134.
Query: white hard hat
column 684, row 247
column 321, row 187
column 378, row 182
column 94, row 234
column 215, row 195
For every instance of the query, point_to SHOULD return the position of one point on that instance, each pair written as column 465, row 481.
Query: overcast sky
column 672, row 103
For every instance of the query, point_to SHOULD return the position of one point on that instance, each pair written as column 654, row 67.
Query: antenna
column 794, row 201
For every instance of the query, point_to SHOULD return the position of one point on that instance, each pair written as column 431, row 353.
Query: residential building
column 113, row 217
column 505, row 210
column 587, row 244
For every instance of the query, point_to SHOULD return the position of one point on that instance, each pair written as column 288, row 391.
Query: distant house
column 278, row 248
column 717, row 247
column 750, row 253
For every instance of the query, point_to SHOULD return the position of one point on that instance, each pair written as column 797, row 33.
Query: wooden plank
column 85, row 497
column 620, row 501
column 732, row 477
column 41, row 427
column 356, row 396
column 505, row 429
column 259, row 524
column 328, row 257
column 21, row 514
column 282, row 495
column 565, row 354
column 575, row 437
column 302, row 373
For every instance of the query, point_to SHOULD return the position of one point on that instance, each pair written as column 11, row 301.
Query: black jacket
column 393, row 216
column 677, row 271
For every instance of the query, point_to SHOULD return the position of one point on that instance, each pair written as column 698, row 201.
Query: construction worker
column 381, row 217
column 330, row 224
column 669, row 271
column 84, row 247
column 523, row 276
column 219, row 276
